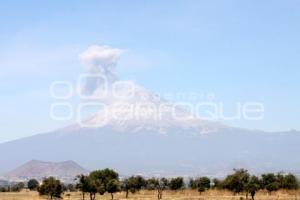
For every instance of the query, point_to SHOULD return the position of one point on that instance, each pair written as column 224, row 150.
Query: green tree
column 112, row 187
column 270, row 182
column 203, row 183
column 158, row 184
column 104, row 180
column 140, row 183
column 279, row 179
column 17, row 187
column 176, row 183
column 290, row 182
column 272, row 187
column 82, row 185
column 192, row 184
column 133, row 184
column 127, row 185
column 33, row 184
column 51, row 187
column 93, row 187
column 237, row 181
column 252, row 186
column 217, row 183
column 3, row 189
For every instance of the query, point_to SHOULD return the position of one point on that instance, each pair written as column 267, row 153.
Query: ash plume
column 100, row 62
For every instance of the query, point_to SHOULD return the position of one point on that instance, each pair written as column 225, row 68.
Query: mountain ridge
column 37, row 169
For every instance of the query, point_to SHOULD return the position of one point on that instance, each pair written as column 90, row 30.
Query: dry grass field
column 169, row 195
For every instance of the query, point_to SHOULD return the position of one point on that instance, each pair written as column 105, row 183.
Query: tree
column 112, row 187
column 17, row 187
column 270, row 182
column 93, row 188
column 253, row 186
column 159, row 184
column 203, row 184
column 280, row 179
column 33, row 184
column 176, row 183
column 237, row 181
column 104, row 181
column 51, row 187
column 140, row 183
column 127, row 185
column 70, row 187
column 133, row 184
column 82, row 185
column 272, row 187
column 217, row 183
column 290, row 182
column 3, row 189
column 192, row 183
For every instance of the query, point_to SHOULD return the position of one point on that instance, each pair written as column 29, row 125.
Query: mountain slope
column 173, row 153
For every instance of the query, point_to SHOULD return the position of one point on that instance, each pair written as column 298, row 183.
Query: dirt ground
column 169, row 195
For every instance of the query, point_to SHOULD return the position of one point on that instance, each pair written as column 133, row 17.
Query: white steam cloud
column 100, row 58
column 100, row 62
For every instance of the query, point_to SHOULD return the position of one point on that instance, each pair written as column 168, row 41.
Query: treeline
column 17, row 187
column 107, row 181
column 243, row 182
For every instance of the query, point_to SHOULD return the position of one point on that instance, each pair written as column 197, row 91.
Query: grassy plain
column 169, row 195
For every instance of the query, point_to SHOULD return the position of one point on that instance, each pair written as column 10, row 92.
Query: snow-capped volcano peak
column 129, row 107
column 136, row 109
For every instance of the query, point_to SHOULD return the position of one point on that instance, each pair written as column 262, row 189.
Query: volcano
column 137, row 132
column 133, row 137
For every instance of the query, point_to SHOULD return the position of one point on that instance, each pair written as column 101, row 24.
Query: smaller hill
column 65, row 171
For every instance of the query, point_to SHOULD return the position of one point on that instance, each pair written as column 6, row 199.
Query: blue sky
column 240, row 51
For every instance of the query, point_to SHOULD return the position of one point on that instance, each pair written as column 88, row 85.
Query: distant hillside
column 65, row 171
column 177, row 152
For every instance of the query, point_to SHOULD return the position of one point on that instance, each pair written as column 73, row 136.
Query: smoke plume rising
column 100, row 62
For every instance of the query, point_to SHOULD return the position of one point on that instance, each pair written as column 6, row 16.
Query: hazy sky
column 240, row 51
